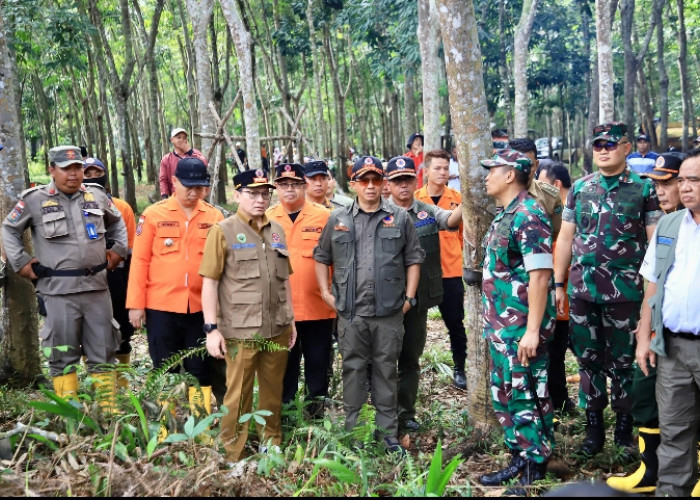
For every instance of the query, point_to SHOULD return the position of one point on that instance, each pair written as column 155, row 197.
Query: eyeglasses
column 289, row 185
column 372, row 180
column 265, row 195
column 607, row 146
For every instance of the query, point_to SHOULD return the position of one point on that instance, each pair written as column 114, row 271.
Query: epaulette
column 549, row 189
column 320, row 205
column 31, row 190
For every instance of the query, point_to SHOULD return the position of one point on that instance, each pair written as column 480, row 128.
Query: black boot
column 643, row 480
column 517, row 463
column 595, row 433
column 531, row 473
column 623, row 435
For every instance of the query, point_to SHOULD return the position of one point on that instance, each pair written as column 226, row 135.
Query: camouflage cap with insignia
column 611, row 131
column 62, row 156
column 511, row 158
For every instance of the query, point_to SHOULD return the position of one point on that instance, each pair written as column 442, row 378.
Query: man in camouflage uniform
column 519, row 318
column 608, row 218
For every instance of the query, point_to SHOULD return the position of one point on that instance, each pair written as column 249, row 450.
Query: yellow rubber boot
column 105, row 386
column 696, row 491
column 200, row 398
column 66, row 386
column 125, row 361
column 643, row 480
column 168, row 412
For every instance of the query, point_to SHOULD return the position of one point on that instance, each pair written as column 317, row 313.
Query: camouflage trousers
column 604, row 344
column 526, row 431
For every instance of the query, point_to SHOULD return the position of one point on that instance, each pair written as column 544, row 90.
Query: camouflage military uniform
column 605, row 289
column 518, row 241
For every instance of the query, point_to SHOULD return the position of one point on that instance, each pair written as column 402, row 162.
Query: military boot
column 125, row 361
column 517, row 464
column 643, row 480
column 531, row 472
column 624, row 424
column 595, row 433
column 66, row 386
column 105, row 386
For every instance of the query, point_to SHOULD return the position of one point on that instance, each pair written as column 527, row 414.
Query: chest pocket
column 391, row 239
column 167, row 240
column 309, row 241
column 282, row 264
column 342, row 243
column 201, row 239
column 95, row 216
column 247, row 264
column 55, row 224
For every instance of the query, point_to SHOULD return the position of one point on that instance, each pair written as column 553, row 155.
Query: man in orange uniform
column 165, row 287
column 436, row 192
column 303, row 222
column 94, row 172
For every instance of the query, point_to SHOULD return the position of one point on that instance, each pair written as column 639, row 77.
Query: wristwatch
column 209, row 327
column 411, row 300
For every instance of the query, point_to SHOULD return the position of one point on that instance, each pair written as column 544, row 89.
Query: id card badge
column 91, row 231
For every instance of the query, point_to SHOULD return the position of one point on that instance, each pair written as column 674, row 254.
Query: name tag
column 663, row 240
column 240, row 246
column 281, row 246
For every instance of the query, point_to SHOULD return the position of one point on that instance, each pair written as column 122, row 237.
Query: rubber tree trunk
column 429, row 41
column 683, row 70
column 19, row 340
column 663, row 79
column 243, row 43
column 520, row 56
column 316, row 55
column 606, row 75
column 470, row 120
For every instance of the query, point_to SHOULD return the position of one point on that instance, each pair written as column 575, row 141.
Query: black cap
column 667, row 166
column 413, row 138
column 315, row 167
column 643, row 137
column 365, row 165
column 251, row 178
column 192, row 172
column 401, row 166
column 289, row 171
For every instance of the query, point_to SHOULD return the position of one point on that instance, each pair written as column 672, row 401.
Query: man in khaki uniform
column 77, row 233
column 246, row 295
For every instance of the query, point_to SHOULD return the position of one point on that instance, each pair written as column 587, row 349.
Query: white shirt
column 454, row 170
column 681, row 308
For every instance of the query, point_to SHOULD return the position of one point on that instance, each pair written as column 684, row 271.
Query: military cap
column 192, row 172
column 511, row 158
column 289, row 171
column 315, row 167
column 62, row 156
column 251, row 178
column 611, row 131
column 400, row 166
column 667, row 166
column 365, row 165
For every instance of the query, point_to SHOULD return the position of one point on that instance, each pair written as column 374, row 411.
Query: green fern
column 257, row 342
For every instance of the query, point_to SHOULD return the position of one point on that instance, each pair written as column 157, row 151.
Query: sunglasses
column 607, row 146
column 366, row 182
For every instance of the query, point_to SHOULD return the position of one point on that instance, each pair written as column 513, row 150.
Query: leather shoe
column 410, row 425
column 517, row 464
column 460, row 379
column 392, row 445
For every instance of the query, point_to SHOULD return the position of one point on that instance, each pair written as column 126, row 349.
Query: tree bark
column 606, row 75
column 503, row 68
column 520, row 57
column 631, row 65
column 683, row 70
column 188, row 61
column 409, row 98
column 243, row 43
column 19, row 339
column 470, row 119
column 320, row 142
column 429, row 41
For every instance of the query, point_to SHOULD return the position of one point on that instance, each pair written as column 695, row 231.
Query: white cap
column 177, row 131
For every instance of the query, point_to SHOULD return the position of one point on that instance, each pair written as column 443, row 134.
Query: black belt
column 682, row 335
column 47, row 272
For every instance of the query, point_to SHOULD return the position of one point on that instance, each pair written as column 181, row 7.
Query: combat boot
column 531, row 472
column 595, row 433
column 517, row 464
column 125, row 361
column 643, row 480
column 105, row 387
column 623, row 435
column 66, row 386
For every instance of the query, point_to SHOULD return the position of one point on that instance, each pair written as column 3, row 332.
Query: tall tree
column 606, row 75
column 663, row 76
column 470, row 120
column 19, row 340
column 429, row 40
column 318, row 104
column 686, row 97
column 520, row 57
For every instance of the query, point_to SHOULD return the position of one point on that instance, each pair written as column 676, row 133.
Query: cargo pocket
column 246, row 309
column 247, row 265
column 55, row 224
column 391, row 239
column 284, row 314
column 282, row 264
column 95, row 216
column 340, row 287
column 393, row 287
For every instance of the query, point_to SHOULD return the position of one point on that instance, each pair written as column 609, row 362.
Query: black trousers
column 170, row 332
column 556, row 377
column 117, row 280
column 313, row 342
column 452, row 310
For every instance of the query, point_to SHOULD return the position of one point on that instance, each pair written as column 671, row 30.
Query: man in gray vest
column 671, row 310
column 376, row 257
column 428, row 220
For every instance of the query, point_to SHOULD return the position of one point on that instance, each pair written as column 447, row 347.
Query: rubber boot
column 643, row 480
column 200, row 398
column 105, row 386
column 696, row 490
column 517, row 464
column 595, row 433
column 125, row 361
column 66, row 386
column 168, row 412
column 531, row 472
column 624, row 424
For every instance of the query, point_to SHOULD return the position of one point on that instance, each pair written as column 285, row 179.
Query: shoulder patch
column 16, row 212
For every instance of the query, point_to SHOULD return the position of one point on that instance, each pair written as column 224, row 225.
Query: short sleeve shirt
column 611, row 215
column 518, row 241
